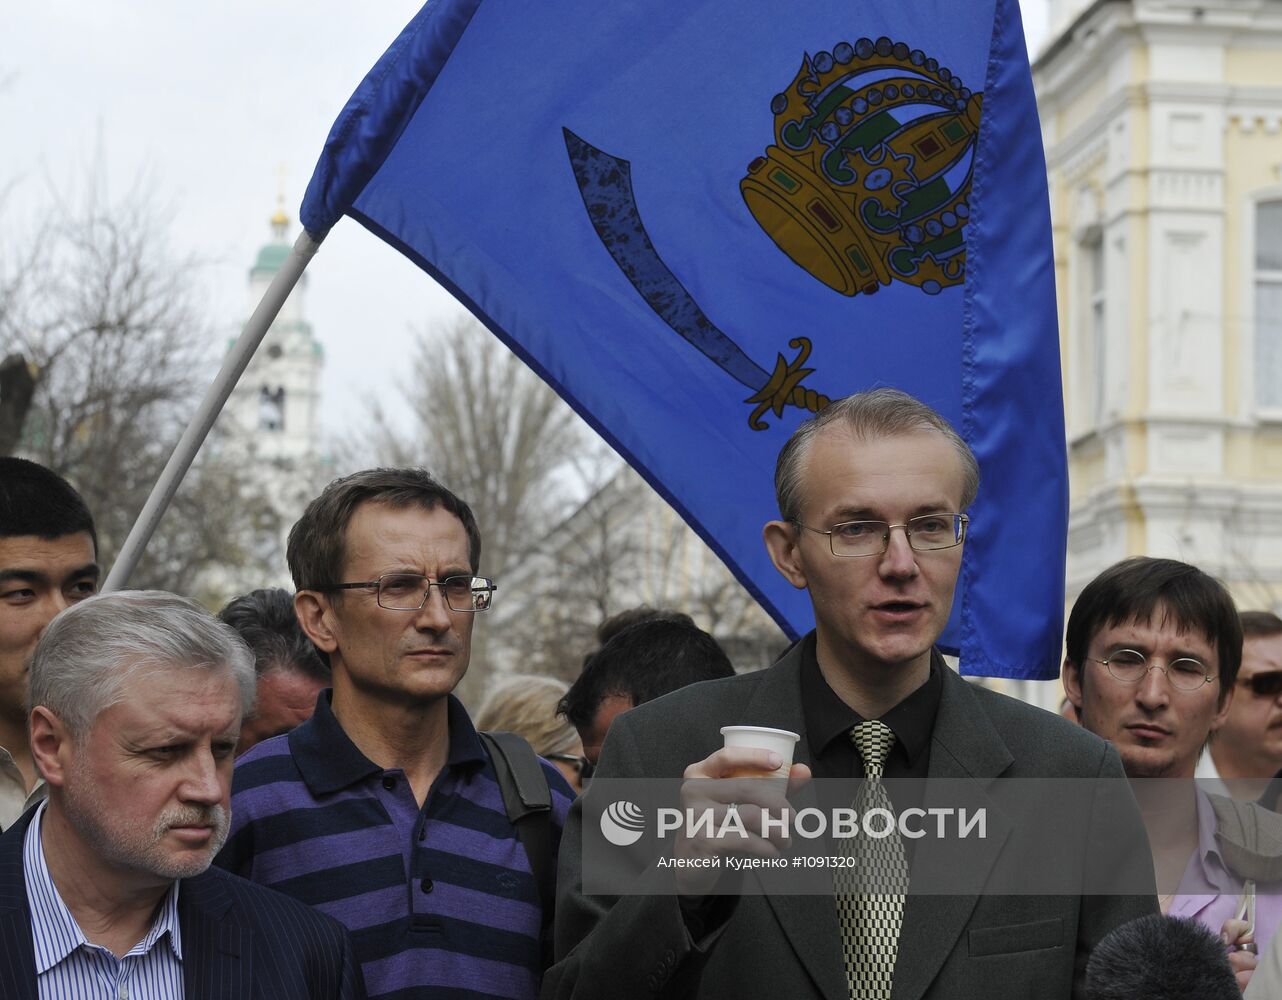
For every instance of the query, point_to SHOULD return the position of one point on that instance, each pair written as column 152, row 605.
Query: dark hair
column 265, row 619
column 1258, row 623
column 1134, row 589
column 615, row 624
column 37, row 501
column 317, row 547
column 642, row 662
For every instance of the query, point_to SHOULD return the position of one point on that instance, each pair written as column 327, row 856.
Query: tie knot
column 873, row 739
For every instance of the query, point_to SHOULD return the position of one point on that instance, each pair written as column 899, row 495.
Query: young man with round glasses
column 384, row 809
column 1153, row 650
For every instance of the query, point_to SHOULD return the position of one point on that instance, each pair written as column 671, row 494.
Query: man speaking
column 872, row 496
column 136, row 702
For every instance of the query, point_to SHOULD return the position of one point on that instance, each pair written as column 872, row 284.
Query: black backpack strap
column 528, row 802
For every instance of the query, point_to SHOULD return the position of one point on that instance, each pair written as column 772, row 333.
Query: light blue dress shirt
column 68, row 967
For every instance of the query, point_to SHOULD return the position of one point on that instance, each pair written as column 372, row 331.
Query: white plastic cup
column 781, row 741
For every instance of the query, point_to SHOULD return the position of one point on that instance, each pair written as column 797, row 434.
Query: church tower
column 270, row 425
column 276, row 405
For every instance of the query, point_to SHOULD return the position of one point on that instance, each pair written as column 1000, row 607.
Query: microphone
column 1160, row 958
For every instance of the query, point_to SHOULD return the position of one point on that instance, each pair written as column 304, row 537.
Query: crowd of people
column 286, row 799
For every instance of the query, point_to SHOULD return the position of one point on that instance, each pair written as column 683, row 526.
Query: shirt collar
column 329, row 761
column 828, row 717
column 9, row 766
column 166, row 924
column 1205, row 875
column 1208, row 858
column 55, row 931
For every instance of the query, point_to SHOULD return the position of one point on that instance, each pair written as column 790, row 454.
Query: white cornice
column 1081, row 147
column 1206, row 16
column 1091, row 39
column 1095, row 46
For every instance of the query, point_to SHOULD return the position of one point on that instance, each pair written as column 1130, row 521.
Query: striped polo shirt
column 438, row 898
column 69, row 967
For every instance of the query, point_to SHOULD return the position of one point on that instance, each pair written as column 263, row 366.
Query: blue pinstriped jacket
column 240, row 941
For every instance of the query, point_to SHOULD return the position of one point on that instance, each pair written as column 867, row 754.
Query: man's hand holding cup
column 752, row 774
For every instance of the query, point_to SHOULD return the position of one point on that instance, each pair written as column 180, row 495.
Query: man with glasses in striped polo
column 384, row 809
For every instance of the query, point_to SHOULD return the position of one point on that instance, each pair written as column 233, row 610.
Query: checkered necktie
column 871, row 918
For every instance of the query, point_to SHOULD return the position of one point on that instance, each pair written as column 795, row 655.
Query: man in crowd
column 1153, row 649
column 616, row 623
column 48, row 561
column 1246, row 751
column 638, row 664
column 291, row 674
column 136, row 702
column 872, row 494
column 383, row 809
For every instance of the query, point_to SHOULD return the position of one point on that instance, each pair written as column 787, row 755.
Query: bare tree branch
column 107, row 318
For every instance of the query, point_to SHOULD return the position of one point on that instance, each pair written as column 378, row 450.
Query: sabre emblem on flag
column 605, row 182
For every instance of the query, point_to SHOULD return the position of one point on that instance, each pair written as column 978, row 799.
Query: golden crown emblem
column 869, row 177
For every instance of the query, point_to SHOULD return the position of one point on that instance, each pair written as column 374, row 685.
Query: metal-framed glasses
column 926, row 533
column 409, row 591
column 1131, row 666
column 582, row 766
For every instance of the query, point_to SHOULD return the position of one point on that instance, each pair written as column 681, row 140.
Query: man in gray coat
column 872, row 495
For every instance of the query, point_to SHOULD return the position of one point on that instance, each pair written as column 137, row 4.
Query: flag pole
column 202, row 420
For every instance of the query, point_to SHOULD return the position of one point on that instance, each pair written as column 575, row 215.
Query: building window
column 1268, row 304
column 1095, row 320
column 1089, row 326
column 271, row 408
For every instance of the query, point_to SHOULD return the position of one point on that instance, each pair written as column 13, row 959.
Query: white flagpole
column 202, row 420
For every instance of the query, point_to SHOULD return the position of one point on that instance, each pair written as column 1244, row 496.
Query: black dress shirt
column 829, row 721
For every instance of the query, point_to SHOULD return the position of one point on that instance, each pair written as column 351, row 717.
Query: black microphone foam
column 1160, row 958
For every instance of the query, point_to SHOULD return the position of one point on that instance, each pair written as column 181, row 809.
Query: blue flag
column 700, row 221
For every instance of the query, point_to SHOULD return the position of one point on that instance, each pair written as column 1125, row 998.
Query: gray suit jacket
column 951, row 947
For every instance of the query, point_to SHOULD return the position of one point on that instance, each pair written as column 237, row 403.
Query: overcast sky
column 206, row 102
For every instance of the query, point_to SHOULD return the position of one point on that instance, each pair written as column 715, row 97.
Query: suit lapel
column 217, row 952
column 964, row 746
column 810, row 922
column 17, row 952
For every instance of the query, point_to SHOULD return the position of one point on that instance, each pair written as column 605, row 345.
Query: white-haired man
column 136, row 703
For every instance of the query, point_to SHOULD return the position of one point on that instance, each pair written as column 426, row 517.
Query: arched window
column 271, row 408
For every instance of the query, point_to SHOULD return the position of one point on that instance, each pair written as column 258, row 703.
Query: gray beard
column 142, row 851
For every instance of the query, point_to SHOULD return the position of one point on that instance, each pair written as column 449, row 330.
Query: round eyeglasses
column 409, row 591
column 927, row 533
column 1131, row 666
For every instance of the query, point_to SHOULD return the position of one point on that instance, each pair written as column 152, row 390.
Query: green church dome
column 271, row 257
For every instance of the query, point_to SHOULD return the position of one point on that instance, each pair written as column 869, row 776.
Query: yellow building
column 1161, row 125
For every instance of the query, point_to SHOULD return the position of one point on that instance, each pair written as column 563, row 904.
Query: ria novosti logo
column 622, row 823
